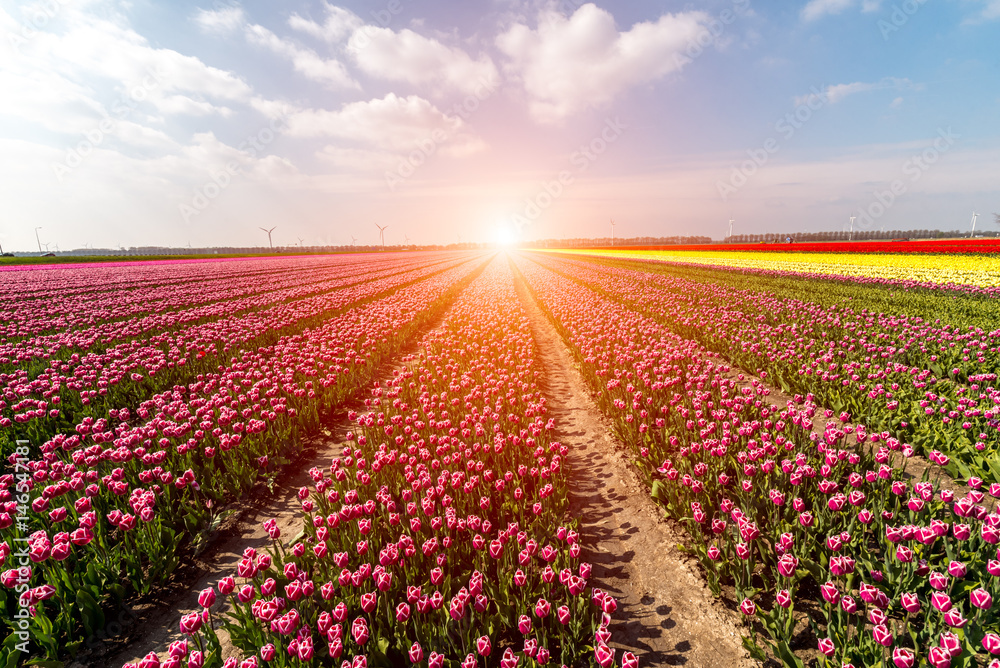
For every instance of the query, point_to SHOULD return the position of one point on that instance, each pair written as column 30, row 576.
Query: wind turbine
column 613, row 223
column 271, row 243
column 381, row 233
column 354, row 240
column 407, row 236
column 851, row 238
column 731, row 221
column 300, row 241
column 37, row 239
column 974, row 216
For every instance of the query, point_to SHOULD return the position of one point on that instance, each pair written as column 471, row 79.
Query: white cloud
column 305, row 61
column 222, row 21
column 990, row 11
column 82, row 68
column 412, row 58
column 339, row 24
column 45, row 98
column 273, row 109
column 567, row 64
column 838, row 92
column 817, row 9
column 394, row 124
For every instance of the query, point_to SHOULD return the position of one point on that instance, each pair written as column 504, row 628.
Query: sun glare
column 504, row 235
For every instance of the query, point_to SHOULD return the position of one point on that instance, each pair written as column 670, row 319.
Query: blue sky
column 140, row 123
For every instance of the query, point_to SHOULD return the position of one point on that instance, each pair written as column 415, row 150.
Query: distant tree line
column 859, row 235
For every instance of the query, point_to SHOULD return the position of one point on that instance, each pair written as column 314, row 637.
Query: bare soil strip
column 666, row 613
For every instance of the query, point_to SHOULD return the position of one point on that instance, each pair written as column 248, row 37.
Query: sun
column 504, row 234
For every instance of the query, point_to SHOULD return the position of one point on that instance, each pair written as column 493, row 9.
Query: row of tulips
column 115, row 504
column 931, row 385
column 89, row 383
column 85, row 324
column 950, row 271
column 53, row 306
column 437, row 538
column 933, row 304
column 828, row 547
column 26, row 282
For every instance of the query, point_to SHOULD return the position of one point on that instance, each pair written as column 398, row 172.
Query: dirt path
column 666, row 614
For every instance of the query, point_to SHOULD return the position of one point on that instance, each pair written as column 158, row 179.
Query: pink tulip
column 190, row 623
column 787, row 565
column 882, row 635
column 542, row 608
column 524, row 624
column 938, row 581
column 941, row 601
column 206, row 598
column 954, row 618
column 563, row 614
column 416, row 653
column 830, row 593
column 903, row 658
column 359, row 630
column 910, row 602
column 939, row 657
column 604, row 655
column 981, row 598
column 509, row 659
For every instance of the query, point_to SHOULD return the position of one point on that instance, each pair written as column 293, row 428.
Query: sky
column 137, row 123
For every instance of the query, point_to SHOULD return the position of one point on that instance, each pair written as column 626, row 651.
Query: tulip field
column 824, row 428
